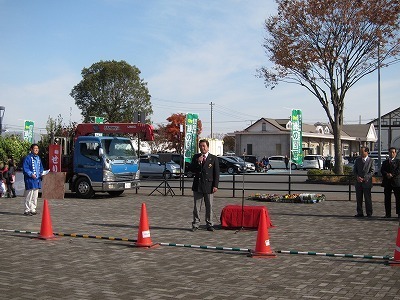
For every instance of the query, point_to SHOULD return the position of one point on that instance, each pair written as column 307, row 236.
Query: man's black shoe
column 27, row 213
column 33, row 213
column 195, row 228
column 388, row 216
column 369, row 216
column 359, row 216
column 210, row 228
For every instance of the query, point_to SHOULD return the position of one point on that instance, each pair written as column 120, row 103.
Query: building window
column 264, row 127
column 249, row 149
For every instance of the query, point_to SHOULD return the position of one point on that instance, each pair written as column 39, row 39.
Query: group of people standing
column 32, row 169
column 364, row 169
column 7, row 179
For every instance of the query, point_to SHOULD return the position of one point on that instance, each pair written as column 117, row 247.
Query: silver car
column 150, row 165
column 278, row 162
column 313, row 162
column 250, row 167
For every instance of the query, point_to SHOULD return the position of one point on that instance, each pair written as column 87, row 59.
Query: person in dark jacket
column 205, row 166
column 33, row 170
column 10, row 180
column 391, row 182
column 364, row 169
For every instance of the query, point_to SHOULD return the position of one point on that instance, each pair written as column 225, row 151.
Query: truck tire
column 83, row 188
column 115, row 193
column 231, row 170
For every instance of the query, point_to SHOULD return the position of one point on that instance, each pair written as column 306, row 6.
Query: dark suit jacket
column 365, row 170
column 206, row 175
column 394, row 169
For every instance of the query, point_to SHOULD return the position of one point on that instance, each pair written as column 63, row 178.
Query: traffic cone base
column 396, row 259
column 46, row 228
column 263, row 246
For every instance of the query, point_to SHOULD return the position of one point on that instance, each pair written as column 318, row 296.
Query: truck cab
column 104, row 164
column 101, row 163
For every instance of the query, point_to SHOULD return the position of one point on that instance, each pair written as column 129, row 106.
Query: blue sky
column 190, row 53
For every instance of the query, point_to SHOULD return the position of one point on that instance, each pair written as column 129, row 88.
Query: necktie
column 204, row 159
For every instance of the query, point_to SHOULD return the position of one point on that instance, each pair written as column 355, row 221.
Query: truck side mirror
column 101, row 152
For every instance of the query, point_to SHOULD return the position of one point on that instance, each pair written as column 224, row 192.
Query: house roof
column 356, row 130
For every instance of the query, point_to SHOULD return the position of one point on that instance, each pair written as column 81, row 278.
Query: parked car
column 313, row 162
column 178, row 159
column 230, row 166
column 250, row 167
column 252, row 159
column 150, row 165
column 278, row 162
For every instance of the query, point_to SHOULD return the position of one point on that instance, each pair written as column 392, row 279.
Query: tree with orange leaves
column 175, row 138
column 327, row 46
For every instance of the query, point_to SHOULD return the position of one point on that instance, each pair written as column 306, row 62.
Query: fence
column 272, row 183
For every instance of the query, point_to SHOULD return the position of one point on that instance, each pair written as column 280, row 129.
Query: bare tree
column 327, row 46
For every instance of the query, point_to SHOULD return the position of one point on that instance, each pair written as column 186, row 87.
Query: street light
column 379, row 113
column 2, row 110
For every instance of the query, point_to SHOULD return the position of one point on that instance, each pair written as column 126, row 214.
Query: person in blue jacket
column 33, row 170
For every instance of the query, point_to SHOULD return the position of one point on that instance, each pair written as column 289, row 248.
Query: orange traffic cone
column 396, row 258
column 46, row 229
column 144, row 238
column 263, row 247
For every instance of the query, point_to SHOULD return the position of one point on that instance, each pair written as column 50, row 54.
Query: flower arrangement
column 288, row 198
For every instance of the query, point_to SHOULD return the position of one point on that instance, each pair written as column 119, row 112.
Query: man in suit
column 364, row 169
column 205, row 166
column 391, row 182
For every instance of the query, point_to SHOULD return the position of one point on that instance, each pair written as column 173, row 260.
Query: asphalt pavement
column 85, row 267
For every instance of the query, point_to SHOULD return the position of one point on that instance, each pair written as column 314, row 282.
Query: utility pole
column 211, row 104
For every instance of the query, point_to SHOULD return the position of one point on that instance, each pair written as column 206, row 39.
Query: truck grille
column 125, row 177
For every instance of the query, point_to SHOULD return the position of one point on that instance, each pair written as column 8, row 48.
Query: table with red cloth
column 231, row 216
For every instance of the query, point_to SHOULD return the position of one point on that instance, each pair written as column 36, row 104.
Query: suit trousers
column 388, row 199
column 208, row 202
column 363, row 192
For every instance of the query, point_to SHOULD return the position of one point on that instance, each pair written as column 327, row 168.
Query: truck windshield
column 118, row 149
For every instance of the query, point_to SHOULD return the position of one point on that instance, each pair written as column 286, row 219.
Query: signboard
column 296, row 139
column 98, row 120
column 28, row 131
column 55, row 158
column 190, row 147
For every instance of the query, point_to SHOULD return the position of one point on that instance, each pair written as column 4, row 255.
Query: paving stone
column 87, row 268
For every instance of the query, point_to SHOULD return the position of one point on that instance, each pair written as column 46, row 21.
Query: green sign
column 99, row 120
column 296, row 139
column 28, row 131
column 190, row 147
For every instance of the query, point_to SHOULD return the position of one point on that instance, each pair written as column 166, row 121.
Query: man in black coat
column 364, row 169
column 391, row 182
column 205, row 166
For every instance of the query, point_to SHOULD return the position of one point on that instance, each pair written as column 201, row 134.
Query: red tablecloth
column 231, row 216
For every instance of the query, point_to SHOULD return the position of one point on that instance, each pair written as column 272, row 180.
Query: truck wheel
column 83, row 188
column 115, row 193
column 231, row 170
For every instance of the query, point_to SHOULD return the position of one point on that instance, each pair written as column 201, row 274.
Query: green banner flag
column 28, row 131
column 190, row 136
column 296, row 138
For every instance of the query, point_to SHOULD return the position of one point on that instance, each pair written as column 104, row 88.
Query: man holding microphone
column 205, row 166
